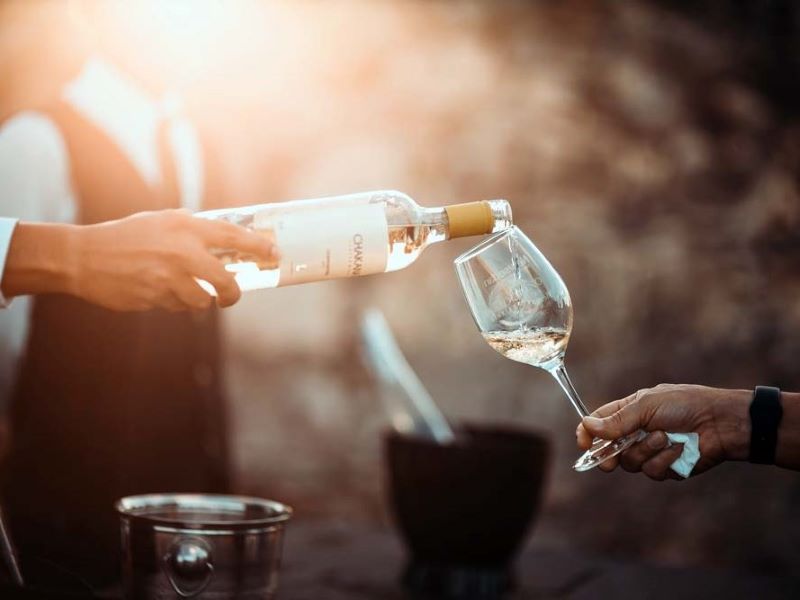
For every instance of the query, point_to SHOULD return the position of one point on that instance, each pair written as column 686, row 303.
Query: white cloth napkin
column 691, row 452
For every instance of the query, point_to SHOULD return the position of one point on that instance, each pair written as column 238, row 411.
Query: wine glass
column 523, row 309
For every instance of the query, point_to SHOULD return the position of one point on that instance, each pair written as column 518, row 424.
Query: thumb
column 626, row 420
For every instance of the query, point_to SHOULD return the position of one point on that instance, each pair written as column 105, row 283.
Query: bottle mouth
column 501, row 213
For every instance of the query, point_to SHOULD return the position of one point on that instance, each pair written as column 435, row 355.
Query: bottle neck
column 476, row 218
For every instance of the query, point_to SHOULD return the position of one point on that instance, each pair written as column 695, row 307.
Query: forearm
column 788, row 451
column 41, row 259
column 731, row 413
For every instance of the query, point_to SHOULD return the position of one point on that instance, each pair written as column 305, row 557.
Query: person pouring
column 106, row 403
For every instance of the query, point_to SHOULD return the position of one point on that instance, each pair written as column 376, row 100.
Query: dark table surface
column 326, row 560
column 343, row 561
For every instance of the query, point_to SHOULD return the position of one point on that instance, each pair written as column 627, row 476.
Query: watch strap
column 766, row 412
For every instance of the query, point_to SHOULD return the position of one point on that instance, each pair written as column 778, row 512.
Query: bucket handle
column 188, row 559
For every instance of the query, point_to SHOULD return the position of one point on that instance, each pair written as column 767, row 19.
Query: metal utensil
column 9, row 552
column 410, row 406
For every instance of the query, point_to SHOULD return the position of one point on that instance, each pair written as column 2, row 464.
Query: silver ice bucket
column 201, row 546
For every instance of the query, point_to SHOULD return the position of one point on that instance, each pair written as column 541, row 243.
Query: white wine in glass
column 523, row 309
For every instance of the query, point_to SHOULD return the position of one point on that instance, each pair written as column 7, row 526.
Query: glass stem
column 560, row 374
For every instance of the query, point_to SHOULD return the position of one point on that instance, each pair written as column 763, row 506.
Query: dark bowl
column 464, row 509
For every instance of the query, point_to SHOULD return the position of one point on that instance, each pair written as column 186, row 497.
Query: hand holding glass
column 524, row 312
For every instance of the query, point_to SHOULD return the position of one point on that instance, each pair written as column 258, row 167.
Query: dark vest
column 108, row 404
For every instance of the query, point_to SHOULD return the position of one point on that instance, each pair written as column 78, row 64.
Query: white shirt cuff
column 7, row 226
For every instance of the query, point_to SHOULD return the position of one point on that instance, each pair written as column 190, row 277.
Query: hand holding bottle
column 148, row 260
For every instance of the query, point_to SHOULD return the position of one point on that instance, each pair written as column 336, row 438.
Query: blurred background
column 650, row 149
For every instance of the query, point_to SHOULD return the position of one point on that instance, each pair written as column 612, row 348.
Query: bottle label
column 326, row 243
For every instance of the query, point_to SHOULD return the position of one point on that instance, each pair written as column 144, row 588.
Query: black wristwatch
column 766, row 412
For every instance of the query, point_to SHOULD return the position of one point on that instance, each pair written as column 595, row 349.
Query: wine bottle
column 352, row 235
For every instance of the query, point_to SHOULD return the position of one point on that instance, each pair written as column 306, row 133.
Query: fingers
column 585, row 438
column 634, row 457
column 609, row 465
column 653, row 456
column 648, row 456
column 190, row 294
column 658, row 467
column 206, row 267
column 221, row 234
column 628, row 417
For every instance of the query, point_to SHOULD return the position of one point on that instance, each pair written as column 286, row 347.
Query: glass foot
column 602, row 450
